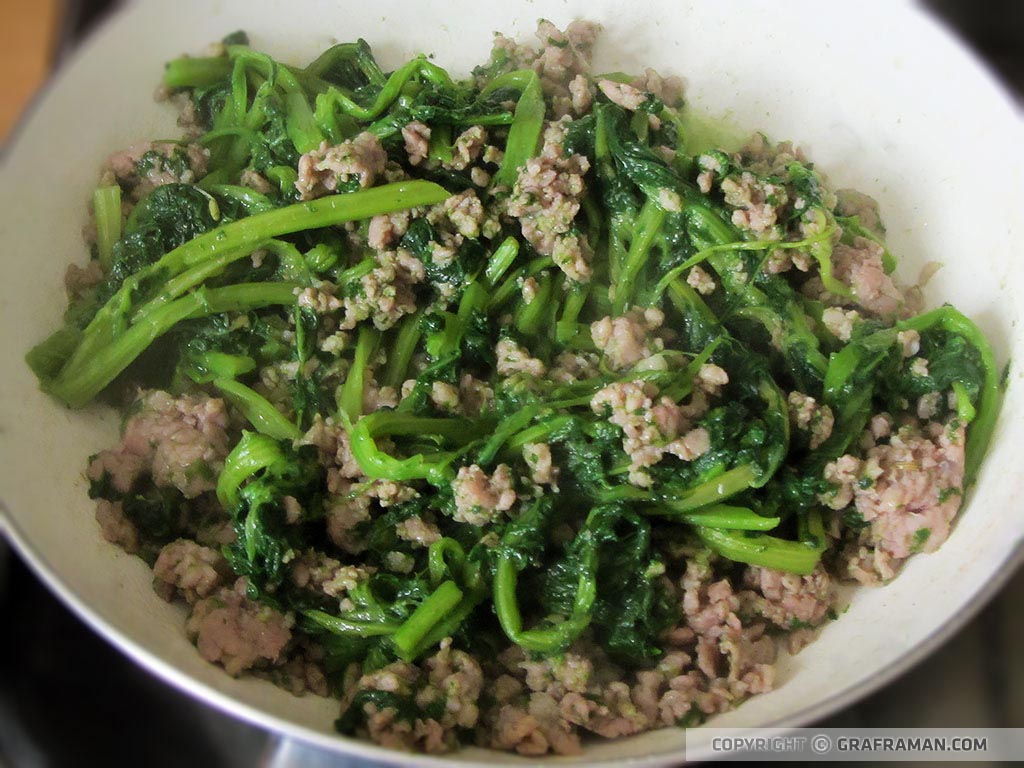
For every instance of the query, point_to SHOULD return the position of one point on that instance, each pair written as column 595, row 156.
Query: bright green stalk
column 502, row 258
column 528, row 317
column 524, row 135
column 727, row 484
column 106, row 206
column 188, row 72
column 429, row 613
column 334, row 98
column 193, row 262
column 211, row 365
column 82, row 379
column 258, row 410
column 761, row 549
column 724, row 516
column 250, row 200
column 645, row 230
column 350, row 627
column 554, row 639
column 253, row 453
column 350, row 401
column 434, row 467
column 409, row 333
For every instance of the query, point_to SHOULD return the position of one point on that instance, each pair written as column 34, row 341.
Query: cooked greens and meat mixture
column 500, row 408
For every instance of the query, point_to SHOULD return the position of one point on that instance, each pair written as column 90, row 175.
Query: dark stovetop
column 68, row 698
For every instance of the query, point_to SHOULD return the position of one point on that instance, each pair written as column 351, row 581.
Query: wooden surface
column 27, row 35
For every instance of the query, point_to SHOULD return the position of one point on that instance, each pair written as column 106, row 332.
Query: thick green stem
column 82, row 379
column 106, row 202
column 429, row 613
column 763, row 550
column 524, row 134
column 258, row 410
column 648, row 226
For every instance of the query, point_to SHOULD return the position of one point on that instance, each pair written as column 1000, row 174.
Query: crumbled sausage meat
column 785, row 599
column 538, row 458
column 756, row 203
column 192, row 570
column 181, row 442
column 231, row 630
column 386, row 293
column 322, row 170
column 626, row 96
column 860, row 266
column 840, row 322
column 651, row 427
column 418, row 531
column 468, row 147
column 513, row 359
column 115, row 527
column 320, row 573
column 479, row 497
column 143, row 167
column 908, row 490
column 546, row 198
column 628, row 339
column 807, row 415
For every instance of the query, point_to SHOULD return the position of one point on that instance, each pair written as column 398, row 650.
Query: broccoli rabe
column 503, row 362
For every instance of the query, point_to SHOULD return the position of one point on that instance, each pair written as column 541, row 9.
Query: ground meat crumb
column 115, row 527
column 181, row 442
column 79, row 280
column 468, row 147
column 860, row 266
column 651, row 427
column 320, row 573
column 387, row 229
column 700, row 281
column 513, row 359
column 231, row 630
column 479, row 496
column 668, row 89
column 546, row 198
column 840, row 322
column 564, row 56
column 448, row 684
column 416, row 530
column 581, row 95
column 850, row 202
column 538, row 458
column 255, row 181
column 323, row 170
column 191, row 570
column 908, row 490
column 574, row 366
column 465, row 212
column 626, row 96
column 417, row 141
column 302, row 672
column 785, row 599
column 756, row 203
column 529, row 290
column 910, row 342
column 320, row 299
column 141, row 168
column 386, row 293
column 628, row 339
column 807, row 415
